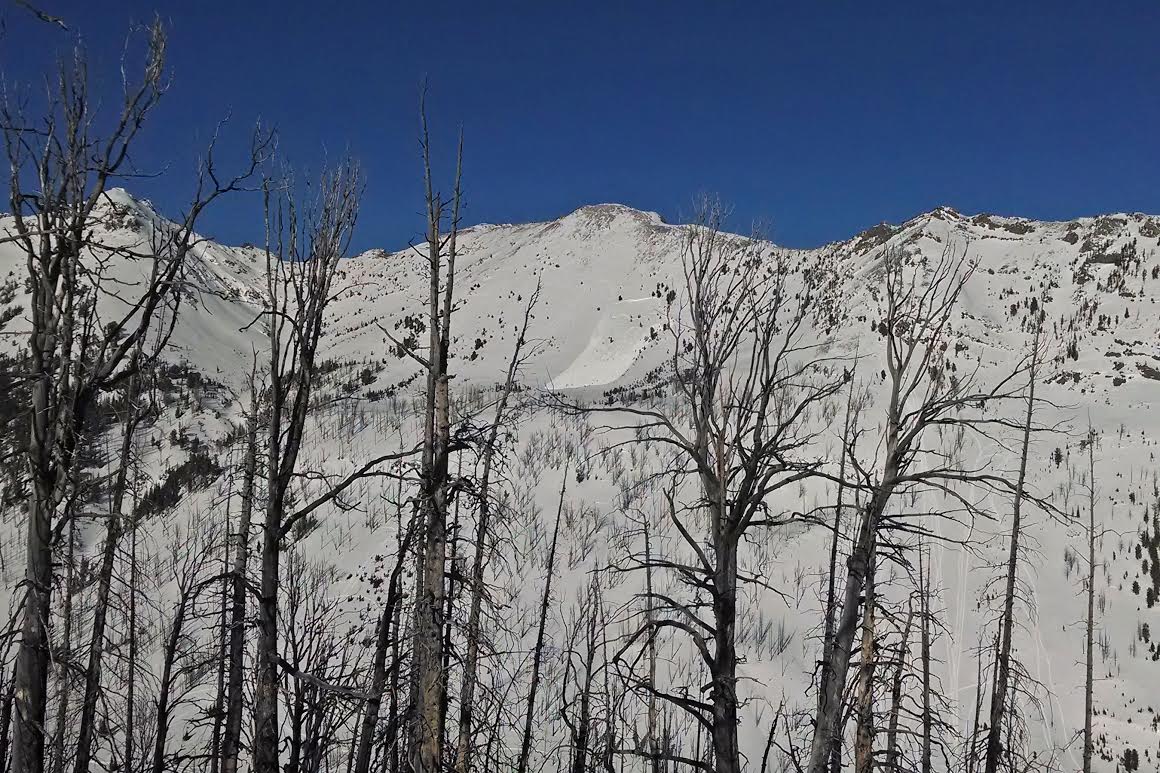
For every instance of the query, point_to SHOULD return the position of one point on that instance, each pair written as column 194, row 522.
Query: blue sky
column 822, row 118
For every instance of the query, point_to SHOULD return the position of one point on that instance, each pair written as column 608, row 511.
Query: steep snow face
column 600, row 269
column 605, row 274
column 220, row 299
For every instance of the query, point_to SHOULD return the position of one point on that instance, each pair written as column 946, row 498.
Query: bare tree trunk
column 131, row 680
column 1006, row 623
column 1010, row 722
column 6, row 720
column 410, row 740
column 429, row 645
column 831, row 580
column 892, row 753
column 653, row 747
column 74, row 355
column 726, row 752
column 299, row 265
column 914, row 327
column 994, row 652
column 65, row 656
column 1089, row 663
column 449, row 611
column 229, row 548
column 864, row 742
column 831, row 590
column 296, row 720
column 232, row 730
column 858, row 567
column 166, row 683
column 611, row 741
column 71, row 170
column 266, row 728
column 32, row 658
column 431, row 679
column 218, row 709
column 970, row 763
column 769, row 740
column 538, row 651
column 393, row 721
column 926, row 708
column 736, row 309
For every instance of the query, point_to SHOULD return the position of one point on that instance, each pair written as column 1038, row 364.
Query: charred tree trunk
column 611, row 740
column 925, row 623
column 32, row 660
column 297, row 724
column 429, row 644
column 131, row 681
column 972, row 740
column 232, row 729
column 266, row 728
column 431, row 682
column 723, row 693
column 651, row 740
column 914, row 325
column 6, row 720
column 168, row 661
column 74, row 355
column 825, row 674
column 892, row 752
column 1007, row 619
column 1089, row 662
column 391, row 741
column 735, row 330
column 538, row 651
column 449, row 610
column 864, row 742
column 218, row 710
column 831, row 579
column 301, row 267
column 65, row 655
column 858, row 568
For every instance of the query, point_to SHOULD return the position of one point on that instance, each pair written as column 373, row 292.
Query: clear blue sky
column 823, row 117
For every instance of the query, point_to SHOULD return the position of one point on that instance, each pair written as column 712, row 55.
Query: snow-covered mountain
column 605, row 272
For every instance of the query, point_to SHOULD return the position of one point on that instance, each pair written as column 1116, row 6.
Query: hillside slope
column 605, row 272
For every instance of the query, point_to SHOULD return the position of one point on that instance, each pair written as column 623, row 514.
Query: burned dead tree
column 61, row 172
column 1007, row 619
column 427, row 700
column 924, row 391
column 235, row 634
column 303, row 248
column 1089, row 621
column 523, row 349
column 745, row 386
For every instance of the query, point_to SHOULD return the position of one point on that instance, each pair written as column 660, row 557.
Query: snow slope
column 604, row 272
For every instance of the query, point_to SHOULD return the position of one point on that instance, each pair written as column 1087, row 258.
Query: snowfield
column 605, row 272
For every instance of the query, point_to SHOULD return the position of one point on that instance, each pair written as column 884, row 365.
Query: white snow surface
column 604, row 271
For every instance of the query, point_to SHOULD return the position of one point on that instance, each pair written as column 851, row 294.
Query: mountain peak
column 119, row 197
column 945, row 212
column 609, row 211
